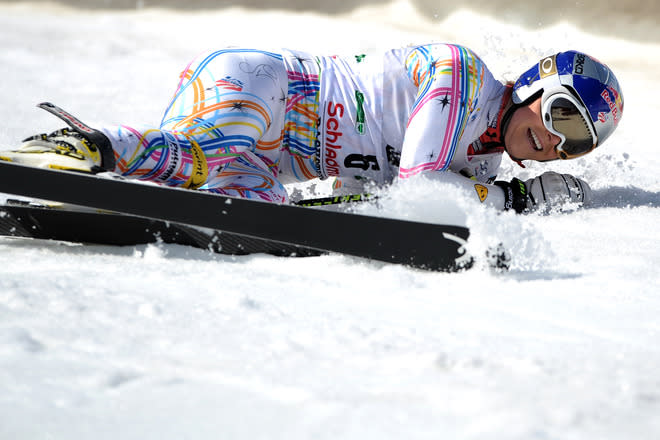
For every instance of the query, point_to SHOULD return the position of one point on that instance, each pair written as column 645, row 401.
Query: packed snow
column 167, row 342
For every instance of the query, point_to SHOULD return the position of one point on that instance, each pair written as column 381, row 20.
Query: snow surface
column 166, row 342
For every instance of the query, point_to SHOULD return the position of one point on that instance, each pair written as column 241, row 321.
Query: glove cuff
column 515, row 195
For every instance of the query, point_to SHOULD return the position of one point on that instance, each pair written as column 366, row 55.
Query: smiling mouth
column 534, row 140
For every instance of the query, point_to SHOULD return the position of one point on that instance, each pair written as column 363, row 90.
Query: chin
column 512, row 154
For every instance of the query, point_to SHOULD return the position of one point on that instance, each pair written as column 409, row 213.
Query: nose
column 553, row 139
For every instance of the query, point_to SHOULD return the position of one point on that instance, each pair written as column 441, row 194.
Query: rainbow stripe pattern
column 233, row 113
column 448, row 90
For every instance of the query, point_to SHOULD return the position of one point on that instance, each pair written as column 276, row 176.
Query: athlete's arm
column 449, row 79
column 548, row 191
column 491, row 195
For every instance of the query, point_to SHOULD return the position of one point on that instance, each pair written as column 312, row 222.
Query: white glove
column 548, row 191
column 551, row 190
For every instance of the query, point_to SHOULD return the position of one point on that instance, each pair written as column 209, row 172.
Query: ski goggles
column 564, row 116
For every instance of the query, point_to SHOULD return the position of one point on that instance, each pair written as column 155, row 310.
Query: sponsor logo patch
column 547, row 66
column 614, row 102
column 578, row 65
column 200, row 171
column 482, row 192
column 360, row 118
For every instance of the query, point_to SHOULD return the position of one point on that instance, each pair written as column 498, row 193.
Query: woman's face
column 526, row 137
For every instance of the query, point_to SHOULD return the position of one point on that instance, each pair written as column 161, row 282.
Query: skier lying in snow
column 244, row 122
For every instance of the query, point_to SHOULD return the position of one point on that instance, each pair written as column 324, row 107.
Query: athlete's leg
column 248, row 177
column 227, row 103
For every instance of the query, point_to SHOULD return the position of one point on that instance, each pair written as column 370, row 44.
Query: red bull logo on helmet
column 614, row 102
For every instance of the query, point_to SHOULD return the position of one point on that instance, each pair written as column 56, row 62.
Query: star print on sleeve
column 444, row 101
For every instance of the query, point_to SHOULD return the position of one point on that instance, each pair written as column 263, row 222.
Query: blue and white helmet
column 569, row 79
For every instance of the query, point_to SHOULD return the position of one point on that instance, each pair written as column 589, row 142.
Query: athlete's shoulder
column 435, row 60
column 435, row 51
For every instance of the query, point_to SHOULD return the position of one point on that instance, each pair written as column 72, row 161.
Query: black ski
column 422, row 245
column 27, row 219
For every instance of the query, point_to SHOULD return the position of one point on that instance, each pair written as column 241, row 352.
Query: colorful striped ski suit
column 245, row 122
